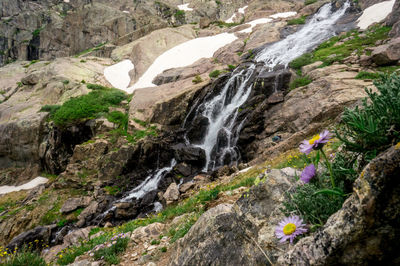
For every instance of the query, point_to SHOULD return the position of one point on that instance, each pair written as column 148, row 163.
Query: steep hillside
column 167, row 133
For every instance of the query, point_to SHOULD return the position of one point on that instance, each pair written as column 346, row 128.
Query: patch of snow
column 118, row 74
column 241, row 10
column 66, row 1
column 185, row 7
column 31, row 184
column 245, row 170
column 283, row 15
column 255, row 23
column 125, row 11
column 182, row 55
column 375, row 13
column 230, row 20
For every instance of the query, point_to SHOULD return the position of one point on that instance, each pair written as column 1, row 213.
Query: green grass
column 97, row 47
column 181, row 230
column 179, row 15
column 367, row 75
column 197, row 79
column 84, row 107
column 297, row 21
column 223, row 24
column 309, row 2
column 114, row 190
column 31, row 63
column 196, row 204
column 215, row 73
column 299, row 82
column 328, row 53
column 24, row 258
column 110, row 254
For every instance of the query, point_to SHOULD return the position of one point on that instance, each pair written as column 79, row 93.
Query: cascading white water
column 222, row 110
column 317, row 29
column 149, row 184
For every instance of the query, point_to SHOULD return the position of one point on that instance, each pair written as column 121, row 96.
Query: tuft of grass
column 215, row 73
column 22, row 258
column 110, row 254
column 181, row 230
column 367, row 75
column 297, row 21
column 114, row 190
column 223, row 24
column 300, row 82
column 301, row 61
column 309, row 2
column 197, row 79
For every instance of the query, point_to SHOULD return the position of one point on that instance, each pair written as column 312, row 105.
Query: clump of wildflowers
column 308, row 173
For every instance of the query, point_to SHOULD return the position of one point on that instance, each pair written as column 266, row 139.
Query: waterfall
column 221, row 111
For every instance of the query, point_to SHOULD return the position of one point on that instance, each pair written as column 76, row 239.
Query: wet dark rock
column 189, row 154
column 184, row 169
column 40, row 235
column 198, row 129
column 125, row 210
column 58, row 144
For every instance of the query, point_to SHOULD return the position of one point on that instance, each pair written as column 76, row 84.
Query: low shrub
column 299, row 82
column 367, row 75
column 297, row 21
column 215, row 73
column 21, row 258
column 197, row 79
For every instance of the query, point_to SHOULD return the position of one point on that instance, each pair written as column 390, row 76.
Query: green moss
column 223, row 24
column 215, row 73
column 297, row 21
column 197, row 79
column 114, row 190
column 85, row 107
column 330, row 51
column 367, row 75
column 299, row 82
column 309, row 2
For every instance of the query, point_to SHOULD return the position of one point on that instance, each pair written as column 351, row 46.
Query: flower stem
column 328, row 164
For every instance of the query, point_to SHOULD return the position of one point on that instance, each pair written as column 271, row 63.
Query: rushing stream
column 222, row 110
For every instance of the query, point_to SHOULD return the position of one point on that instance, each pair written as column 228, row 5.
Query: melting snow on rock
column 118, row 74
column 375, row 13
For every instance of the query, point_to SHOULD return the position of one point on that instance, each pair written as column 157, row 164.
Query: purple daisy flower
column 317, row 142
column 308, row 173
column 289, row 228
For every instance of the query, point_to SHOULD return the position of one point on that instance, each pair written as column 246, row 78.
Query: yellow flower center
column 314, row 139
column 397, row 146
column 289, row 229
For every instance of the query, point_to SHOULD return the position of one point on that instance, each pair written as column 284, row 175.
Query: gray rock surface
column 366, row 230
column 387, row 53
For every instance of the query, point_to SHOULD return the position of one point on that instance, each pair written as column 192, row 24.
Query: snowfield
column 31, row 184
column 375, row 13
column 118, row 74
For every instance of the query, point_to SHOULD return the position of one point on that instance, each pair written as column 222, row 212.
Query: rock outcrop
column 239, row 234
column 366, row 230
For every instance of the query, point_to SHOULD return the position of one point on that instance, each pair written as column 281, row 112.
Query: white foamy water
column 242, row 10
column 182, row 55
column 118, row 74
column 31, row 184
column 185, row 7
column 319, row 28
column 222, row 110
column 149, row 184
column 375, row 13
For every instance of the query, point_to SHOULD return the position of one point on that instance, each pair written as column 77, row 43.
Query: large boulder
column 239, row 234
column 38, row 237
column 366, row 230
column 387, row 53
